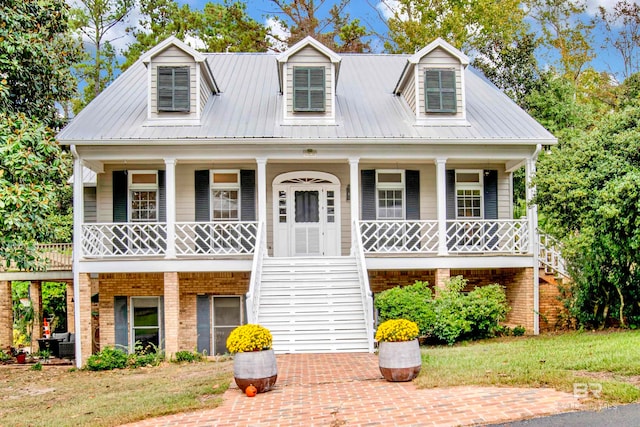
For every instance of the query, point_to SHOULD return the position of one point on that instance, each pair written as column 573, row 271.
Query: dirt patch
column 611, row 376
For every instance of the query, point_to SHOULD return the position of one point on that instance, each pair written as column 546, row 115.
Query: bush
column 187, row 356
column 412, row 302
column 452, row 315
column 107, row 359
column 518, row 331
column 145, row 356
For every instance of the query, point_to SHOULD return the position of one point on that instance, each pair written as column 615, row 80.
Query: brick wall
column 553, row 315
column 6, row 316
column 153, row 284
column 380, row 280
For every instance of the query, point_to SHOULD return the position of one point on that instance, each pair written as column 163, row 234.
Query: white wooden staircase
column 313, row 305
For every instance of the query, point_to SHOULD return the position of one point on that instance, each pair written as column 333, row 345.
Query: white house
column 287, row 189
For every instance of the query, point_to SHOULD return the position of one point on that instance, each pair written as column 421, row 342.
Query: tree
column 217, row 28
column 336, row 31
column 36, row 53
column 589, row 193
column 563, row 32
column 622, row 25
column 95, row 19
column 33, row 168
column 466, row 24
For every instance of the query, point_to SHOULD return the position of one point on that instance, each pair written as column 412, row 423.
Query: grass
column 65, row 397
column 610, row 359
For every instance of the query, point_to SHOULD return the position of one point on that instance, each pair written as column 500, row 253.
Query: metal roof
column 250, row 107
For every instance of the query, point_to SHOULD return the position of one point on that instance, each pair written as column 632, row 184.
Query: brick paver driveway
column 347, row 390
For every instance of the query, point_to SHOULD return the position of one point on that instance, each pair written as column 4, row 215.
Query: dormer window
column 309, row 89
column 173, row 89
column 440, row 91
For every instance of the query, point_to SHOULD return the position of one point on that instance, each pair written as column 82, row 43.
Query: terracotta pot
column 257, row 368
column 399, row 361
column 21, row 358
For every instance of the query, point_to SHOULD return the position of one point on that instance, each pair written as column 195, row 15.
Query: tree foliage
column 33, row 168
column 95, row 19
column 337, row 30
column 217, row 28
column 36, row 53
column 589, row 193
column 466, row 24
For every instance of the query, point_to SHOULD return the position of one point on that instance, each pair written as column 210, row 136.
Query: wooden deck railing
column 56, row 257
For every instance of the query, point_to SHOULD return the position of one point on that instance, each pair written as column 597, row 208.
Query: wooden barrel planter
column 257, row 368
column 399, row 361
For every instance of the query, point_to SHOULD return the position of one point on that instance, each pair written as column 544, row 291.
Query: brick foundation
column 553, row 315
column 380, row 280
column 35, row 295
column 85, row 333
column 6, row 316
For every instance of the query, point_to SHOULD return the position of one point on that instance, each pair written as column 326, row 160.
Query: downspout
column 536, row 250
column 77, row 229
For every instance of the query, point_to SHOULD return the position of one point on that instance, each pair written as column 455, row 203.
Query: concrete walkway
column 347, row 389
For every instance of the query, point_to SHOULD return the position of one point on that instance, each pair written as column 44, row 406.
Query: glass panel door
column 145, row 322
column 227, row 314
column 306, row 232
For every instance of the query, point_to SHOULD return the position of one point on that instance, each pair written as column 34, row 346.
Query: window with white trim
column 309, row 89
column 143, row 196
column 390, row 194
column 469, row 194
column 225, row 195
column 145, row 323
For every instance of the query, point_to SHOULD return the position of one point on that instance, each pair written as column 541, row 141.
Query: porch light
column 309, row 152
column 348, row 192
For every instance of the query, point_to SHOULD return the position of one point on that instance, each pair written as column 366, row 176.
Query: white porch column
column 261, row 182
column 441, row 205
column 170, row 186
column 78, row 220
column 532, row 218
column 354, row 182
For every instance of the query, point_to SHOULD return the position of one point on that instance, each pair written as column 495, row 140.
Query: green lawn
column 611, row 359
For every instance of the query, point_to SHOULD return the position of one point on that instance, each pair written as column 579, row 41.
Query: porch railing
column 54, row 257
column 550, row 255
column 462, row 236
column 216, row 238
column 489, row 235
column 118, row 239
column 365, row 289
column 253, row 296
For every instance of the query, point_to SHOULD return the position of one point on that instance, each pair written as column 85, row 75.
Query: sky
column 370, row 13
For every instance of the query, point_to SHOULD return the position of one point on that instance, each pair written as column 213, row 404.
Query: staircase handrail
column 550, row 254
column 253, row 295
column 365, row 289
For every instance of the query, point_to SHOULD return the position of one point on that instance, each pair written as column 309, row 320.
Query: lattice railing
column 124, row 239
column 216, row 238
column 399, row 236
column 550, row 256
column 489, row 235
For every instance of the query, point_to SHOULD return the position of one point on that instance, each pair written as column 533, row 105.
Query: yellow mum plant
column 249, row 337
column 395, row 330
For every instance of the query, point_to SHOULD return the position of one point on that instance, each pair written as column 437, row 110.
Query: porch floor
column 347, row 389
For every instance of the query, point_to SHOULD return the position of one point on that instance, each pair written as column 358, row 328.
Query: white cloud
column 282, row 34
column 388, row 8
column 593, row 5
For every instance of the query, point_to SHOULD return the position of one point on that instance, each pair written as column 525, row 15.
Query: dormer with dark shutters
column 432, row 84
column 180, row 83
column 308, row 74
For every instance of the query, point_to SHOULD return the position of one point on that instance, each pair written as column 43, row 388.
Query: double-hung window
column 144, row 200
column 468, row 208
column 173, row 89
column 309, row 89
column 440, row 91
column 225, row 208
column 390, row 206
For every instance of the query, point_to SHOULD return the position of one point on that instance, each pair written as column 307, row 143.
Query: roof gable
column 439, row 43
column 309, row 41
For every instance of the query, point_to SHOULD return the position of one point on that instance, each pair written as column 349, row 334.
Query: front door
column 306, row 215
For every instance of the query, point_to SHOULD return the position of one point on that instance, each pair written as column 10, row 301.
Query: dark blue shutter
column 491, row 205
column 203, row 314
column 412, row 210
column 368, row 194
column 248, row 195
column 491, row 194
column 450, row 184
column 161, row 323
column 412, row 186
column 121, row 321
column 120, row 199
column 162, row 197
column 120, row 204
column 202, row 208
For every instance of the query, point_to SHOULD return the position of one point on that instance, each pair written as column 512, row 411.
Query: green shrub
column 412, row 302
column 518, row 331
column 452, row 314
column 150, row 355
column 36, row 367
column 107, row 359
column 187, row 356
